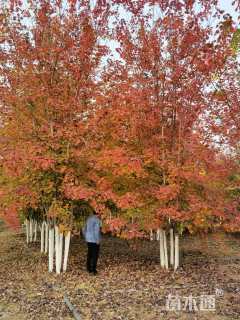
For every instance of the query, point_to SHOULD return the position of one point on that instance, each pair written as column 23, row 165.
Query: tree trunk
column 42, row 236
column 66, row 250
column 176, row 262
column 27, row 230
column 151, row 235
column 161, row 247
column 46, row 237
column 57, row 250
column 51, row 249
column 60, row 250
column 171, row 248
column 35, row 231
column 165, row 249
column 30, row 230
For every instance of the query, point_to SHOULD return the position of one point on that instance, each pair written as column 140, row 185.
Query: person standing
column 92, row 235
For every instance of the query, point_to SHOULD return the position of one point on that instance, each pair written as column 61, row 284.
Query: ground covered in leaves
column 130, row 284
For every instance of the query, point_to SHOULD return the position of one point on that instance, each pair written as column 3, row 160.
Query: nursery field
column 126, row 112
column 130, row 284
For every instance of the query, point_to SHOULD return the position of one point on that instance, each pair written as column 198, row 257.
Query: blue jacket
column 91, row 230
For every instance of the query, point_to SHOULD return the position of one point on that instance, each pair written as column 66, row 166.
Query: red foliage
column 11, row 218
column 143, row 130
column 78, row 192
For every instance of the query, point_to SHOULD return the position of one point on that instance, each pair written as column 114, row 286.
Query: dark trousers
column 92, row 256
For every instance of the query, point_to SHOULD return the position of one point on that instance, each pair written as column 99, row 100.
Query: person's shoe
column 89, row 271
column 95, row 272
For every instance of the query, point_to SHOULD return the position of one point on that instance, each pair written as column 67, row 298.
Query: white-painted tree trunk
column 66, row 250
column 171, row 248
column 60, row 251
column 161, row 247
column 158, row 235
column 35, row 231
column 27, row 230
column 165, row 249
column 176, row 260
column 42, row 236
column 46, row 237
column 30, row 230
column 151, row 235
column 51, row 249
column 57, row 250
